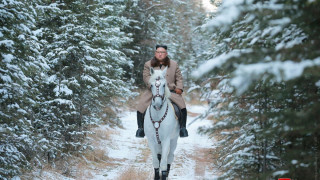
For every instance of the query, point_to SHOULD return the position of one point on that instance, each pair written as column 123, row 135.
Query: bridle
column 157, row 84
column 156, row 124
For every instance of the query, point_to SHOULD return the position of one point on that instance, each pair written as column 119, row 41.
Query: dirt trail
column 192, row 157
column 119, row 155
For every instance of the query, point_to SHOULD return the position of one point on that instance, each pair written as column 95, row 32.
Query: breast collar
column 156, row 124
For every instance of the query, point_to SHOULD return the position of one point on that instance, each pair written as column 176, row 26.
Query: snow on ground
column 186, row 165
column 129, row 157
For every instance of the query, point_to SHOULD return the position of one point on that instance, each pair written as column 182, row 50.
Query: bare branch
column 156, row 5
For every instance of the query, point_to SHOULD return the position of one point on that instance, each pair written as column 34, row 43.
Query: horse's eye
column 163, row 85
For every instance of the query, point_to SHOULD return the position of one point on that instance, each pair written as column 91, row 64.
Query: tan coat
column 174, row 80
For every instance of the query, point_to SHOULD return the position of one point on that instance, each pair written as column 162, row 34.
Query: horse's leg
column 154, row 152
column 173, row 146
column 164, row 156
column 155, row 162
column 159, row 158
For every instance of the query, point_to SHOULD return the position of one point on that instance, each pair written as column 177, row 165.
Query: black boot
column 183, row 122
column 140, row 120
column 168, row 169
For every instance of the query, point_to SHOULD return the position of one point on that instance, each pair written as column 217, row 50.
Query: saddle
column 177, row 111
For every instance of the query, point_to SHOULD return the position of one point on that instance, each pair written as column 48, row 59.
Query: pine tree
column 84, row 51
column 20, row 63
column 165, row 22
column 267, row 65
column 62, row 63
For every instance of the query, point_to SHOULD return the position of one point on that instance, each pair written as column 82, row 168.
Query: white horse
column 160, row 125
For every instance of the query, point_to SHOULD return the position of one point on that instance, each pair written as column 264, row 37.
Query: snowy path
column 132, row 159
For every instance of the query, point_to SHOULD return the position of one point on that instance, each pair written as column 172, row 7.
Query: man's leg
column 183, row 130
column 140, row 121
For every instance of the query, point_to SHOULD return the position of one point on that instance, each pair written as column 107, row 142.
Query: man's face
column 161, row 53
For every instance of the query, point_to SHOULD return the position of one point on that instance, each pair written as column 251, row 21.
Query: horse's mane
column 156, row 74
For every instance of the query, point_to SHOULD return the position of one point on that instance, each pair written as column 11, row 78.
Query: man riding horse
column 174, row 80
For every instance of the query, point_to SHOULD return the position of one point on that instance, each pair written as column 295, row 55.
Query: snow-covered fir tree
column 62, row 64
column 20, row 77
column 167, row 22
column 265, row 60
column 83, row 44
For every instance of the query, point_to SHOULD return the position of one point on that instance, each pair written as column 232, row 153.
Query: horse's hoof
column 156, row 174
column 164, row 175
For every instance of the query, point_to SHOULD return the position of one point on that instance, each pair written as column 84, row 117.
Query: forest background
column 66, row 64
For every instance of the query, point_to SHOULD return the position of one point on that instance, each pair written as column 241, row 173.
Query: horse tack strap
column 156, row 124
column 157, row 84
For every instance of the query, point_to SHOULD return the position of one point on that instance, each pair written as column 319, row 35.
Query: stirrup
column 140, row 133
column 183, row 132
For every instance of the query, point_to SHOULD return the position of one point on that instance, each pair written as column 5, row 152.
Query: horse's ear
column 151, row 71
column 164, row 71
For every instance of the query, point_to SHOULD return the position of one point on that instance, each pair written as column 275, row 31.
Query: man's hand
column 178, row 91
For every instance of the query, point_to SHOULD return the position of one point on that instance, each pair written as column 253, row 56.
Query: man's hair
column 163, row 46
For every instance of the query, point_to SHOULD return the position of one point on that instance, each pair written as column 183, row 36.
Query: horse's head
column 159, row 88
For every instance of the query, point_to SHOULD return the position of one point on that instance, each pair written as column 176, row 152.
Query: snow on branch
column 282, row 71
column 229, row 11
column 218, row 62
